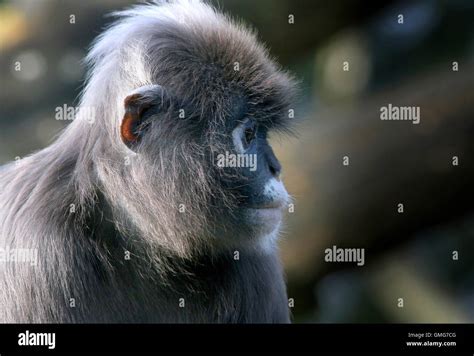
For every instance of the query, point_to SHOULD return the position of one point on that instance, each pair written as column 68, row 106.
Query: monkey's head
column 196, row 100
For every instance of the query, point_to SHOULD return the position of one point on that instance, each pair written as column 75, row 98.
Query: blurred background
column 352, row 59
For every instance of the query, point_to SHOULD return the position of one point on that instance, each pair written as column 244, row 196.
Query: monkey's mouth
column 270, row 213
column 274, row 205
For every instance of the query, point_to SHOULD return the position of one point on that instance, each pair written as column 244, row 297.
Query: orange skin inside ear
column 130, row 119
column 127, row 127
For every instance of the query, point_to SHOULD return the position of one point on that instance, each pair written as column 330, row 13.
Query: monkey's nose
column 273, row 165
column 275, row 168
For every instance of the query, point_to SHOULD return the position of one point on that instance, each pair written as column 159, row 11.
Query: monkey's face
column 251, row 171
column 223, row 170
column 204, row 131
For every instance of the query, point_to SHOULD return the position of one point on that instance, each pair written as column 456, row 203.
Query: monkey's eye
column 249, row 133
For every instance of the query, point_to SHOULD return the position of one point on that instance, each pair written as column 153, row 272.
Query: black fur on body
column 126, row 197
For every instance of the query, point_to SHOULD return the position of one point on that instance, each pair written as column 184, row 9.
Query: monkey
column 129, row 215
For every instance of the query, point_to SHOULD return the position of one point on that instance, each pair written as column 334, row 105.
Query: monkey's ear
column 137, row 105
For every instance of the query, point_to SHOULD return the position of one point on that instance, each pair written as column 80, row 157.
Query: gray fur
column 189, row 48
